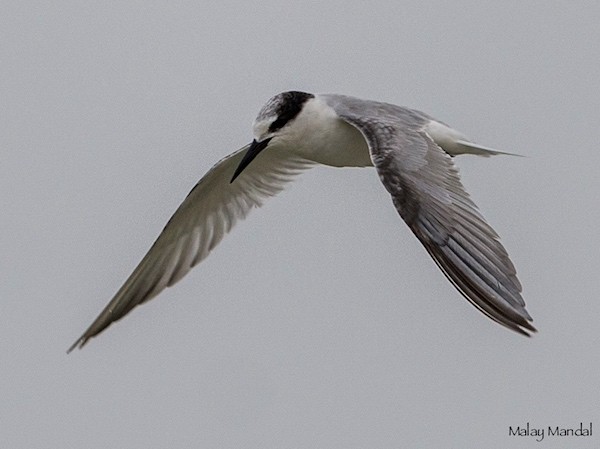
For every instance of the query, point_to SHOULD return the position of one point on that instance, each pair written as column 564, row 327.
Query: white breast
column 321, row 136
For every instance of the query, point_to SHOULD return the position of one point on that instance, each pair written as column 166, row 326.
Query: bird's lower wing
column 427, row 192
column 209, row 212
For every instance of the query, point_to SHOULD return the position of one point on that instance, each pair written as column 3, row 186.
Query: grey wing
column 427, row 192
column 199, row 224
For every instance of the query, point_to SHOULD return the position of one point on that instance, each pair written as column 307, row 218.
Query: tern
column 413, row 156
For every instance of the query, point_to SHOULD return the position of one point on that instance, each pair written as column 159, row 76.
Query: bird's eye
column 278, row 124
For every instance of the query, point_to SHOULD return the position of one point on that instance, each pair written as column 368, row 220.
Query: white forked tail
column 455, row 143
column 473, row 148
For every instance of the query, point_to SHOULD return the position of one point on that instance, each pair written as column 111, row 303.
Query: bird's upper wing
column 427, row 192
column 208, row 213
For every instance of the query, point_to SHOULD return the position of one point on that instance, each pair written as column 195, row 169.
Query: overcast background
column 320, row 322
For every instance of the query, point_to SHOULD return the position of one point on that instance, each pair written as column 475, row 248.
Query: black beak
column 251, row 153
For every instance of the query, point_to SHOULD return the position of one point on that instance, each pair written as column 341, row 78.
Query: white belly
column 342, row 146
column 326, row 139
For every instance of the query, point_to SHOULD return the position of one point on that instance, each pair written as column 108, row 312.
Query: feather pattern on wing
column 209, row 212
column 426, row 189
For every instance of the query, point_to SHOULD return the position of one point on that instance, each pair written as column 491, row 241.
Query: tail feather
column 455, row 143
column 473, row 148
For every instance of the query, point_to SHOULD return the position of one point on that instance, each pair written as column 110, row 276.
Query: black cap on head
column 286, row 106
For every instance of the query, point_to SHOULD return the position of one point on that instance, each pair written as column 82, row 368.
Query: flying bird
column 413, row 156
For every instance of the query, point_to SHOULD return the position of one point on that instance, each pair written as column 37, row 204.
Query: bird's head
column 273, row 124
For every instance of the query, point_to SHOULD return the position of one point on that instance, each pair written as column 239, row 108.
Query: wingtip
column 73, row 346
column 79, row 343
column 532, row 329
column 526, row 328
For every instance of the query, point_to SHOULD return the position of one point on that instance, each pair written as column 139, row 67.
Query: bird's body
column 294, row 131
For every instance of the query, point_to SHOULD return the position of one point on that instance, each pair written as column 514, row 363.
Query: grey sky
column 320, row 321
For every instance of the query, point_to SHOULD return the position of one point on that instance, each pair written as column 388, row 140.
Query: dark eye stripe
column 290, row 107
column 278, row 124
